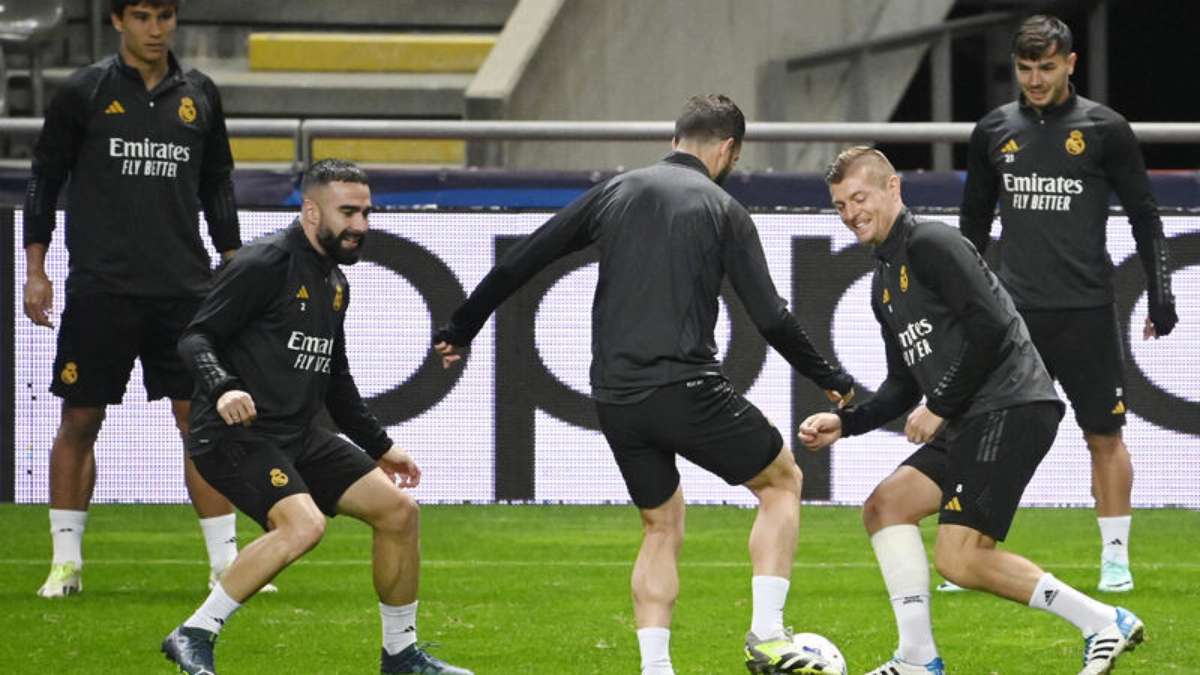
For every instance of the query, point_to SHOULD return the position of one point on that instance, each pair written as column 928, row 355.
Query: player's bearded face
column 345, row 247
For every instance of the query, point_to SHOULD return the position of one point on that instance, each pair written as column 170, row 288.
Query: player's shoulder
column 84, row 82
column 267, row 252
column 1000, row 117
column 1099, row 114
column 928, row 234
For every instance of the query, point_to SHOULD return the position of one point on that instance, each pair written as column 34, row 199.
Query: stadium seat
column 27, row 25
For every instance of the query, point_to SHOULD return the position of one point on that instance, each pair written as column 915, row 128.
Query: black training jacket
column 950, row 331
column 138, row 165
column 1054, row 171
column 273, row 326
column 667, row 236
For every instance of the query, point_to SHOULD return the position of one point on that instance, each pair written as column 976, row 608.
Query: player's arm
column 898, row 393
column 746, row 265
column 571, row 229
column 347, row 408
column 243, row 291
column 1126, row 171
column 216, row 182
column 979, row 194
column 54, row 157
column 957, row 274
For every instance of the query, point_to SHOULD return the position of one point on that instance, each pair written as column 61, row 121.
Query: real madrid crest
column 187, row 110
column 338, row 298
column 1075, row 144
column 904, row 278
column 887, row 296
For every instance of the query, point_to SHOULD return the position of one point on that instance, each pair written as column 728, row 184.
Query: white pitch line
column 196, row 562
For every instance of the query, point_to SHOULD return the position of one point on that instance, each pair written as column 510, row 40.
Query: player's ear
column 309, row 211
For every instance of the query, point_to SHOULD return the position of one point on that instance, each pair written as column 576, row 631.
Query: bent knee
column 81, row 424
column 401, row 514
column 303, row 533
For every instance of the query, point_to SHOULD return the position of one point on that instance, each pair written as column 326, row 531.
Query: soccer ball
column 822, row 647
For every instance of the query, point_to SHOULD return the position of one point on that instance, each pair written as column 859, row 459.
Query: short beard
column 332, row 245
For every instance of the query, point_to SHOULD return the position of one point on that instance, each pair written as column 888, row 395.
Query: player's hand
column 39, row 299
column 236, row 407
column 922, row 425
column 400, row 467
column 820, row 430
column 838, row 398
column 450, row 353
column 1161, row 320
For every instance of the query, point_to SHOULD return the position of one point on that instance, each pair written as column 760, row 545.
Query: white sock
column 655, row 645
column 220, row 537
column 1114, row 534
column 399, row 626
column 770, row 595
column 216, row 610
column 66, row 535
column 1087, row 614
column 901, row 556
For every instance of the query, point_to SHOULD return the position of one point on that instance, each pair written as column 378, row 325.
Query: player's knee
column 784, row 474
column 302, row 533
column 401, row 516
column 80, row 425
column 1104, row 444
column 875, row 510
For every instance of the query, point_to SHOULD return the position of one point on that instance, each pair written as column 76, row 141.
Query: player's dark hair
column 1039, row 35
column 117, row 7
column 849, row 158
column 710, row 117
column 328, row 171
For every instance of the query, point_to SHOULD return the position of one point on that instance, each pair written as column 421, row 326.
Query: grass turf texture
column 544, row 589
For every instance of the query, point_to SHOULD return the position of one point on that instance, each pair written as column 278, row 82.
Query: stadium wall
column 516, row 425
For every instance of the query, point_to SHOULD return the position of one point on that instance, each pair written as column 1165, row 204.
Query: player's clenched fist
column 820, row 430
column 236, row 407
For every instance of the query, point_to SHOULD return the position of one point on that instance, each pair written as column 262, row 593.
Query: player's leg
column 890, row 515
column 344, row 480
column 655, row 581
column 166, row 376
column 1088, row 357
column 95, row 352
column 653, row 484
column 773, row 540
column 261, row 480
column 72, row 479
column 991, row 460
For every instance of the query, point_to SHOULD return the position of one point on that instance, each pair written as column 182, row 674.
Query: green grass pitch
column 544, row 589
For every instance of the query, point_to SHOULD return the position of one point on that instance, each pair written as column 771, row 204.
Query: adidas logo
column 913, row 600
column 1119, row 408
column 1011, row 146
column 302, row 293
column 953, row 505
column 410, row 629
column 1050, row 596
column 115, row 108
column 1116, row 542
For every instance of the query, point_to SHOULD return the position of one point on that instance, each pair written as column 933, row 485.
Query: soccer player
column 668, row 234
column 268, row 351
column 138, row 140
column 951, row 333
column 1054, row 158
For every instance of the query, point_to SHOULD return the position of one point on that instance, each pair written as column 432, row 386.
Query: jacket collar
column 298, row 242
column 891, row 247
column 686, row 159
column 173, row 77
column 1057, row 110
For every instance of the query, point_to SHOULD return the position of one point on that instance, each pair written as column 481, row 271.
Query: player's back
column 660, row 238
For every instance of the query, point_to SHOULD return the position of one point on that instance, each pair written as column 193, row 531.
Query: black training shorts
column 1083, row 349
column 102, row 334
column 255, row 471
column 991, row 458
column 930, row 459
column 704, row 420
